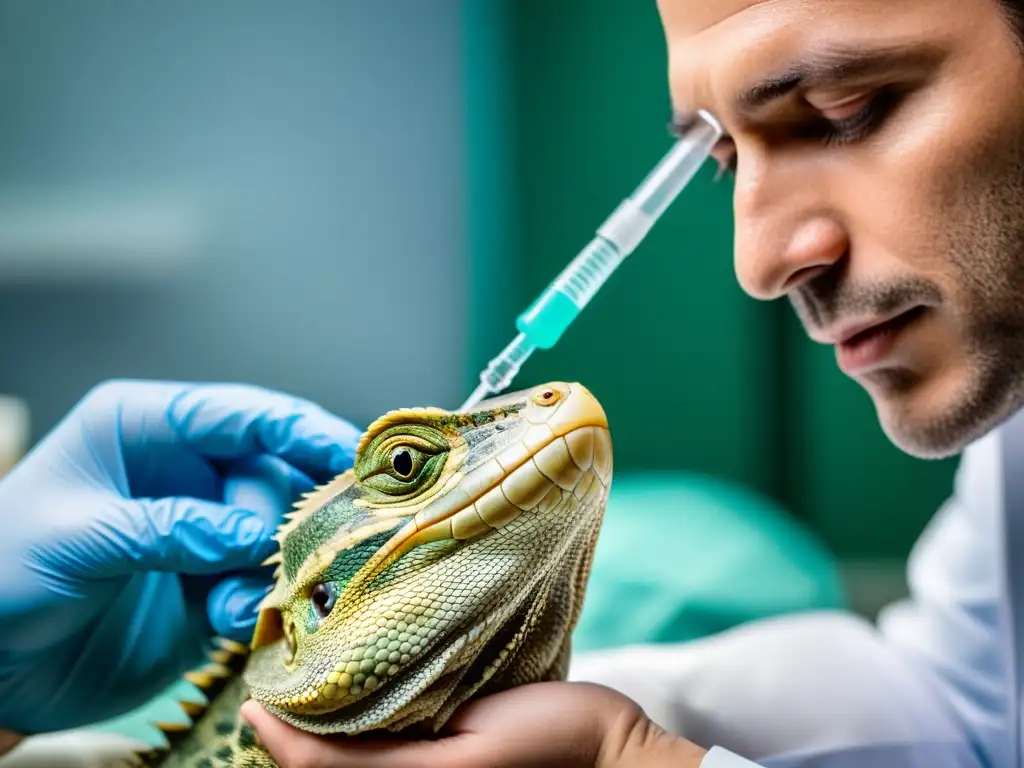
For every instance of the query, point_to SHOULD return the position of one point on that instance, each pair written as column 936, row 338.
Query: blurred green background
column 352, row 200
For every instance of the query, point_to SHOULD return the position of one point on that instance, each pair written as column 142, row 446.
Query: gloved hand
column 135, row 531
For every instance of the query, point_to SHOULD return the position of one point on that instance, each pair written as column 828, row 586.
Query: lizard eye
column 401, row 468
column 549, row 395
column 323, row 598
column 402, row 463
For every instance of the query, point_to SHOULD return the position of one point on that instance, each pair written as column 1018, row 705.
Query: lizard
column 450, row 562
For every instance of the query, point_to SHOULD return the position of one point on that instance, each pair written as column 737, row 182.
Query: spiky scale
column 220, row 656
column 191, row 708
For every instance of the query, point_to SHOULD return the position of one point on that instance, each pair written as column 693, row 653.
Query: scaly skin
column 449, row 563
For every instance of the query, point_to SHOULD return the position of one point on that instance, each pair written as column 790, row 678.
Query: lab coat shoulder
column 936, row 666
column 953, row 624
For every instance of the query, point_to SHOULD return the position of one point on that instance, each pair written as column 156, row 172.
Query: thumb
column 189, row 536
column 232, row 605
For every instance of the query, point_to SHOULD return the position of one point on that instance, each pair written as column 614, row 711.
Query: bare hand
column 546, row 724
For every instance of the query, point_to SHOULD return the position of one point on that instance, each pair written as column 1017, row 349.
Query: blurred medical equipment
column 14, row 432
column 544, row 322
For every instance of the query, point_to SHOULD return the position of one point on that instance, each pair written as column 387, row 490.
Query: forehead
column 717, row 49
column 688, row 17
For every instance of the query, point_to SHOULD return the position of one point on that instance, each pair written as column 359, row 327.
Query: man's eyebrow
column 829, row 66
column 834, row 66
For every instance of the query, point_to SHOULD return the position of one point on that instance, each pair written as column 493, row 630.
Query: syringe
column 544, row 322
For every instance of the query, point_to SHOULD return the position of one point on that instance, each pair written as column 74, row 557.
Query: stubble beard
column 983, row 220
column 985, row 250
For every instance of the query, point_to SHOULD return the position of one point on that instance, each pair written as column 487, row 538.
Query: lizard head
column 452, row 557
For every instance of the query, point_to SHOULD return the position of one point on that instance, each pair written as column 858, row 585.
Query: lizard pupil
column 402, row 463
column 323, row 600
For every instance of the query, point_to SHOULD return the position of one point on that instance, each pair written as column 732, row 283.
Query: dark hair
column 1014, row 10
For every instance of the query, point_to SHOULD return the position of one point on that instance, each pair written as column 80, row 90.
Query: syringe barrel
column 552, row 313
column 544, row 322
column 678, row 166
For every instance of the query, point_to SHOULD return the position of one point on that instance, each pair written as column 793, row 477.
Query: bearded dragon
column 450, row 562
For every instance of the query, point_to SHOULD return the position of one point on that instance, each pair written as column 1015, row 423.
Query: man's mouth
column 859, row 349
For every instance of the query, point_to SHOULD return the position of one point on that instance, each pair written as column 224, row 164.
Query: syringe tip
column 474, row 399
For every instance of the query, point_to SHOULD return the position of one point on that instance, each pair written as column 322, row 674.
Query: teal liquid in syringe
column 542, row 325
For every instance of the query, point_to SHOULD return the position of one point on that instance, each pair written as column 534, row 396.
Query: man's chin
column 938, row 418
column 922, row 441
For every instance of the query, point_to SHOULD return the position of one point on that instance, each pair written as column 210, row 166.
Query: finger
column 265, row 484
column 292, row 748
column 181, row 535
column 227, row 421
column 232, row 606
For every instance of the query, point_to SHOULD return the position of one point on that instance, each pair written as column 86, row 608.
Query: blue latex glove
column 135, row 531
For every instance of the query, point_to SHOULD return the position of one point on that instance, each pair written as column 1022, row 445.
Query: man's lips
column 865, row 345
column 849, row 331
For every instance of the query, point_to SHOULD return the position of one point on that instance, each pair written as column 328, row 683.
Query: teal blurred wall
column 694, row 374
column 260, row 191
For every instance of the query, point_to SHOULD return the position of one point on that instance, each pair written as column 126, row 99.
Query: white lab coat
column 935, row 684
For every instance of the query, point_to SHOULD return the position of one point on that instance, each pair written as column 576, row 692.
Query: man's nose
column 785, row 235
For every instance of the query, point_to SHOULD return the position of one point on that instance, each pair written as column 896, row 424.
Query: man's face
column 878, row 152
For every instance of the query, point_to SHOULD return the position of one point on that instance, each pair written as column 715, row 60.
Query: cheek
column 913, row 200
column 926, row 182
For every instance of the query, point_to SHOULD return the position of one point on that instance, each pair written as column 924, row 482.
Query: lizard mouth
column 561, row 455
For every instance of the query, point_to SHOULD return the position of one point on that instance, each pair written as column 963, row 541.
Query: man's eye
column 855, row 123
column 838, row 108
column 833, row 123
